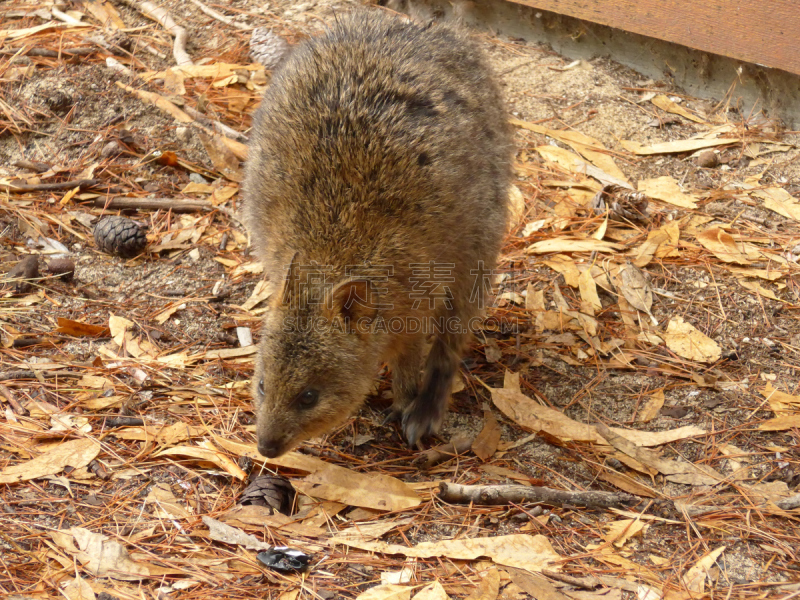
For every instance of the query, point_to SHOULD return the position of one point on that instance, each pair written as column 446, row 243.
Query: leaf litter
column 126, row 435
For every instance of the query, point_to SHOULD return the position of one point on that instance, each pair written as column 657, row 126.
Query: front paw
column 421, row 420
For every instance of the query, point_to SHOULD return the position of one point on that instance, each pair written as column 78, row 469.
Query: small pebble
column 197, row 178
column 707, row 159
column 64, row 268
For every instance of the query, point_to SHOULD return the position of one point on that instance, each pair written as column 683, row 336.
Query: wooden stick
column 518, row 494
column 46, row 187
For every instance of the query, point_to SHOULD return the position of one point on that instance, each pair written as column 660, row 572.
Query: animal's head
column 317, row 361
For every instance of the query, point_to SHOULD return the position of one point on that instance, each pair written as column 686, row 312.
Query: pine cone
column 119, row 236
column 267, row 48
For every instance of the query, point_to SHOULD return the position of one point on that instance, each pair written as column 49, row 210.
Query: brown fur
column 380, row 143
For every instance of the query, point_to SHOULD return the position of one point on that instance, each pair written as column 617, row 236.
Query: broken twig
column 517, row 494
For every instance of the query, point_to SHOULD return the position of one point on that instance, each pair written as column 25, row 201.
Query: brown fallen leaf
column 331, row 482
column 575, row 164
column 678, row 146
column 78, row 589
column 723, row 246
column 781, row 403
column 164, row 503
column 642, row 255
column 696, row 577
column 667, row 105
column 533, row 416
column 171, row 434
column 652, row 407
column 780, row 201
column 530, row 553
column 667, row 190
column 619, row 532
column 590, row 148
column 387, row 591
column 222, row 157
column 572, row 245
column 104, row 557
column 783, row 423
column 208, row 454
column 256, row 517
column 689, row 342
column 631, row 282
column 78, row 329
column 754, row 286
column 675, row 471
column 432, row 591
column 488, row 588
column 73, row 453
column 485, row 444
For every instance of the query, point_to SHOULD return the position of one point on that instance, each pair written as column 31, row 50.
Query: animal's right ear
column 290, row 286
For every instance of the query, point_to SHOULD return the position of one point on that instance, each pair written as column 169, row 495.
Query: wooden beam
column 765, row 32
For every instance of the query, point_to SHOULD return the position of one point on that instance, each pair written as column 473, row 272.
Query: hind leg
column 424, row 415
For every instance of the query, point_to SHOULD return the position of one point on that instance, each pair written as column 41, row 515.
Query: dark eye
column 307, row 399
column 261, row 387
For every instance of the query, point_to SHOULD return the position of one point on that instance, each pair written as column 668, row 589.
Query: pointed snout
column 269, row 448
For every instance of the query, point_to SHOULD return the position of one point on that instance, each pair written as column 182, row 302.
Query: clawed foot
column 421, row 420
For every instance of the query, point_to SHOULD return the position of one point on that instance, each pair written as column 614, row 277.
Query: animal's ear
column 354, row 301
column 290, row 286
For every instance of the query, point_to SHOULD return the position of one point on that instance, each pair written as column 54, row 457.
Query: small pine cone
column 267, row 48
column 119, row 236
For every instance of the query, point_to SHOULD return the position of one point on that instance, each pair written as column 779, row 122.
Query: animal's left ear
column 354, row 301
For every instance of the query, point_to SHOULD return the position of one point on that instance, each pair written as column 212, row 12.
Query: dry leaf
column 590, row 300
column 488, row 588
column 723, row 246
column 780, row 201
column 667, row 105
column 535, row 417
column 222, row 157
column 619, row 532
column 78, row 329
column 642, row 255
column 331, row 482
column 389, row 591
column 221, row 532
column 756, row 287
column 590, row 148
column 780, row 402
column 517, row 205
column 783, row 423
column 104, row 557
column 695, row 578
column 78, row 589
column 676, row 471
column 571, row 245
column 666, row 189
column 576, row 164
column 485, row 444
column 492, row 351
column 207, row 454
column 631, row 282
column 165, row 504
column 688, row 342
column 531, row 553
column 432, row 591
column 652, row 407
column 168, row 435
column 567, row 267
column 73, row 453
column 678, row 146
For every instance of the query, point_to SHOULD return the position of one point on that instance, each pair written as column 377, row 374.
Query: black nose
column 268, row 448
